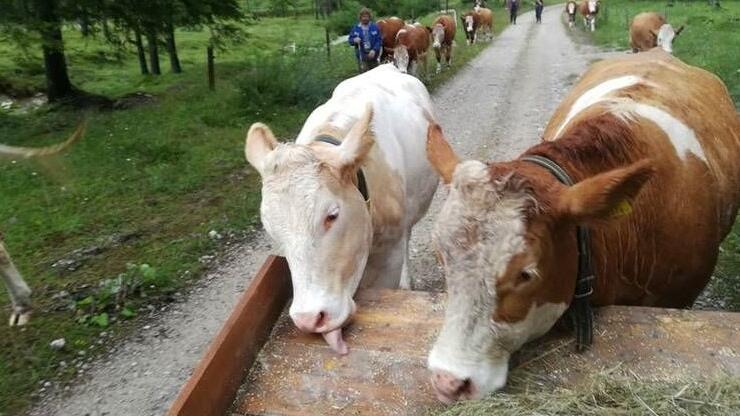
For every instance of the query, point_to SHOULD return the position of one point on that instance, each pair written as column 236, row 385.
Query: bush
column 302, row 80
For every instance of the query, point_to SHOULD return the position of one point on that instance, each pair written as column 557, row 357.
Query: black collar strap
column 580, row 307
column 361, row 182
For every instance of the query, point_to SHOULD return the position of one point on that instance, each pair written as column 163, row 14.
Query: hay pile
column 609, row 395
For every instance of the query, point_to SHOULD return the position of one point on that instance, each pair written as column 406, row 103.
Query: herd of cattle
column 650, row 145
column 407, row 44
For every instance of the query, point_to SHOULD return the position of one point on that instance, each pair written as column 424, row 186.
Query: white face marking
column 478, row 232
column 682, row 138
column 487, row 368
column 327, row 263
column 438, row 33
column 401, row 58
column 665, row 37
column 571, row 8
column 595, row 95
column 469, row 22
column 592, row 6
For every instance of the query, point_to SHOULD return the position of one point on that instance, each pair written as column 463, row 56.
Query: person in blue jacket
column 365, row 37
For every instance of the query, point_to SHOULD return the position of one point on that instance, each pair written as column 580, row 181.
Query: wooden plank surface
column 214, row 383
column 385, row 371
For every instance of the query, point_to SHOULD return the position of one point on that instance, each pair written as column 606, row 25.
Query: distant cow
column 649, row 30
column 589, row 10
column 477, row 20
column 412, row 44
column 20, row 293
column 340, row 202
column 571, row 8
column 388, row 29
column 443, row 35
column 651, row 145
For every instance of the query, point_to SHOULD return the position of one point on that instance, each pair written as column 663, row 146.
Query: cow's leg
column 439, row 54
column 405, row 282
column 593, row 24
column 20, row 293
column 384, row 269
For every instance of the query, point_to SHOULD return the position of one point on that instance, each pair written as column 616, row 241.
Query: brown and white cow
column 20, row 293
column 571, row 8
column 443, row 31
column 650, row 29
column 652, row 146
column 589, row 10
column 388, row 29
column 480, row 19
column 412, row 44
column 372, row 131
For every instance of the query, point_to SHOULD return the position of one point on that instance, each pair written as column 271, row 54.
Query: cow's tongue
column 335, row 341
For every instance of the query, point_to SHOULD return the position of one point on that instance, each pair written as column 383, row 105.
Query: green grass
column 710, row 40
column 164, row 174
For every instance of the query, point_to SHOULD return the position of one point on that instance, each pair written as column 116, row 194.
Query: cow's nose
column 310, row 321
column 450, row 389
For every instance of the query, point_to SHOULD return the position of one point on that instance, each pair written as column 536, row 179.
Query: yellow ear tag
column 622, row 209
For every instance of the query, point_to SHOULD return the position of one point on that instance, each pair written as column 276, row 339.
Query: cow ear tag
column 622, row 209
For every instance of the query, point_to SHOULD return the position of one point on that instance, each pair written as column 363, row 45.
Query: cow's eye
column 527, row 275
column 331, row 218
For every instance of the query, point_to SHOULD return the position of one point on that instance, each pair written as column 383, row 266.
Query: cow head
column 318, row 219
column 438, row 36
column 401, row 52
column 665, row 35
column 469, row 22
column 593, row 6
column 506, row 239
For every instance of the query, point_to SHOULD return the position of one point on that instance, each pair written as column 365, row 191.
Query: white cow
column 20, row 293
column 372, row 130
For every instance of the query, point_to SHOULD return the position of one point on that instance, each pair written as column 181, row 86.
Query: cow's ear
column 679, row 30
column 604, row 196
column 357, row 143
column 260, row 142
column 440, row 153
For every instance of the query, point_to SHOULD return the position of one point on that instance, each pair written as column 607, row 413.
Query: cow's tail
column 26, row 152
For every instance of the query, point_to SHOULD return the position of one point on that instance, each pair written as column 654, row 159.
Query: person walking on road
column 365, row 37
column 513, row 9
column 538, row 6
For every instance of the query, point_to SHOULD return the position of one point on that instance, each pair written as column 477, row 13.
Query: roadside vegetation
column 120, row 224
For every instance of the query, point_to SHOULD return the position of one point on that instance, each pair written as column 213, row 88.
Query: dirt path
column 493, row 109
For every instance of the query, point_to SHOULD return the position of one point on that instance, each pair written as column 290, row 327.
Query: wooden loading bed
column 259, row 364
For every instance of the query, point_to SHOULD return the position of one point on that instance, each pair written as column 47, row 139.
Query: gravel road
column 493, row 109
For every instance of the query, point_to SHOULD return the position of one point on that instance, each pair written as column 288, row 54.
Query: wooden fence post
column 328, row 43
column 211, row 69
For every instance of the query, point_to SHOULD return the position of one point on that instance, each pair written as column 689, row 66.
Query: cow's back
column 388, row 29
column 683, row 120
column 401, row 107
column 485, row 16
column 641, row 36
column 449, row 25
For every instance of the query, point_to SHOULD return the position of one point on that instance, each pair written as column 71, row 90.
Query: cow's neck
column 584, row 150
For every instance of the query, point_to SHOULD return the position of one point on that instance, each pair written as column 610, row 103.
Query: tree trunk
column 58, row 85
column 172, row 49
column 140, row 52
column 151, row 40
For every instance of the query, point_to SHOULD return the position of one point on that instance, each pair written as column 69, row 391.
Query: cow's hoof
column 19, row 317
